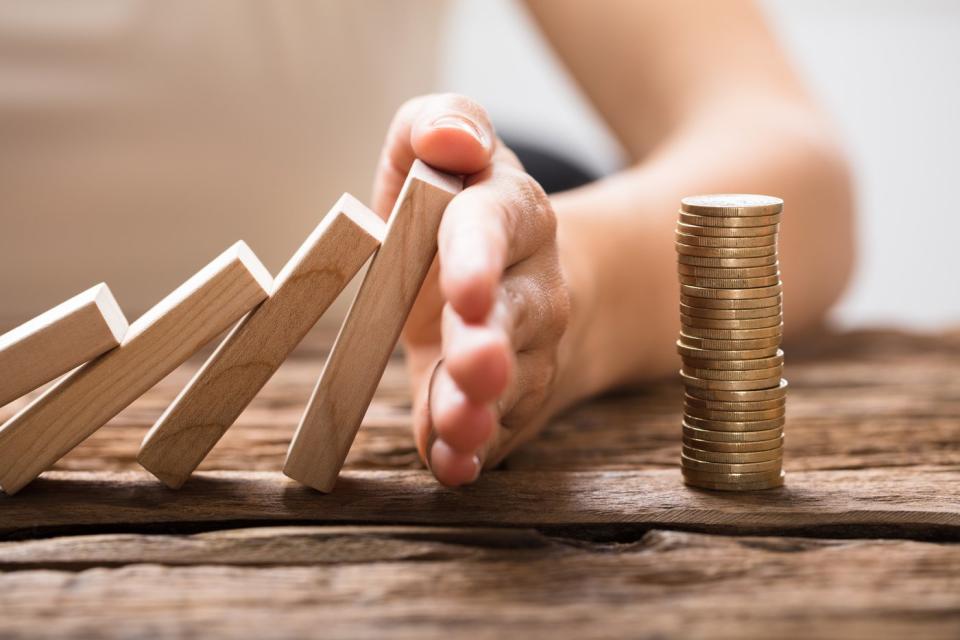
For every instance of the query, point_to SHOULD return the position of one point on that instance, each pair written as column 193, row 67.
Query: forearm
column 617, row 237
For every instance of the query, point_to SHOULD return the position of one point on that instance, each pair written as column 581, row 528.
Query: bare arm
column 704, row 101
column 538, row 302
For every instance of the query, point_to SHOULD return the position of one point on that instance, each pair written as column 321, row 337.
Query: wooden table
column 587, row 532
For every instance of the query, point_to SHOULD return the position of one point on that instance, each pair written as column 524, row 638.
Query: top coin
column 732, row 204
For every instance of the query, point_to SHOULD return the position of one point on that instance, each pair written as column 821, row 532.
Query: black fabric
column 553, row 171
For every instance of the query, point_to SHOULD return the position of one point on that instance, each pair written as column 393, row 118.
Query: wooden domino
column 370, row 332
column 255, row 349
column 58, row 340
column 158, row 342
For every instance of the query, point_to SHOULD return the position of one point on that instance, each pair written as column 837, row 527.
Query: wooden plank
column 371, row 330
column 56, row 341
column 159, row 341
column 665, row 585
column 268, row 546
column 912, row 502
column 255, row 349
column 868, row 400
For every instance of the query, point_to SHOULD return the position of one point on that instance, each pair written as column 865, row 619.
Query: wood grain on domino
column 371, row 330
column 255, row 349
column 56, row 341
column 159, row 341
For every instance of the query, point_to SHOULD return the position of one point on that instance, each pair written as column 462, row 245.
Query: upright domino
column 58, row 340
column 159, row 341
column 255, row 349
column 371, row 330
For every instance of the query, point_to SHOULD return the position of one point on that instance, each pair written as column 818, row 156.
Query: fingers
column 500, row 220
column 461, row 424
column 440, row 404
column 530, row 311
column 496, row 373
column 465, row 435
column 451, row 467
column 447, row 131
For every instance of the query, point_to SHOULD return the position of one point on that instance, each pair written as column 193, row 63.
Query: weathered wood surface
column 917, row 503
column 409, row 583
column 856, row 401
column 578, row 546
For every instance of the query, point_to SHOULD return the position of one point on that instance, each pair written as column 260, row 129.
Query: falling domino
column 53, row 343
column 255, row 349
column 159, row 341
column 371, row 330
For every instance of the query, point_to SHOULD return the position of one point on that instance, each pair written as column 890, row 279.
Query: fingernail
column 476, row 464
column 463, row 124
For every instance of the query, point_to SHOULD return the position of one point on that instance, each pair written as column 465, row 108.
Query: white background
column 887, row 71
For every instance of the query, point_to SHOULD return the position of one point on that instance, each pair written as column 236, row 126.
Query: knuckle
column 532, row 201
column 561, row 307
column 558, row 317
column 540, row 373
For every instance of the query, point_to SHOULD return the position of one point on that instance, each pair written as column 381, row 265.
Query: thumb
column 450, row 132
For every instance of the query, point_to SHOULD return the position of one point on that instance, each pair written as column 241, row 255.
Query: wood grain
column 873, row 451
column 71, row 333
column 224, row 386
column 890, row 502
column 372, row 583
column 267, row 546
column 159, row 341
column 861, row 400
column 371, row 330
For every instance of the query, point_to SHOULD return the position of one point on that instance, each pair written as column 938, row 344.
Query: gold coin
column 697, row 353
column 735, row 305
column 728, row 222
column 725, row 252
column 734, row 365
column 730, row 243
column 727, row 283
column 775, row 444
column 731, row 436
column 731, row 458
column 734, row 447
column 746, row 323
column 726, row 374
column 730, row 294
column 748, row 405
column 732, row 477
column 734, row 416
column 713, row 344
column 727, row 232
column 730, row 385
column 733, row 334
column 729, row 272
column 728, row 263
column 724, row 425
column 731, row 314
column 722, row 467
column 739, row 396
column 742, row 483
column 732, row 204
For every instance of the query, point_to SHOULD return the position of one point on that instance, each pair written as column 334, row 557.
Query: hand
column 495, row 303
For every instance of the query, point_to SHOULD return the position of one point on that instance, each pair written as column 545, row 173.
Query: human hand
column 482, row 338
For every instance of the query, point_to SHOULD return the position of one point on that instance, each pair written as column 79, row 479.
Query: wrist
column 578, row 375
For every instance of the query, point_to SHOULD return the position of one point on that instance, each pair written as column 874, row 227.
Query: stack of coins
column 731, row 312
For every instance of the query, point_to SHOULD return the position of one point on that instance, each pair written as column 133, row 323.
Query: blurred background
column 883, row 69
column 115, row 119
